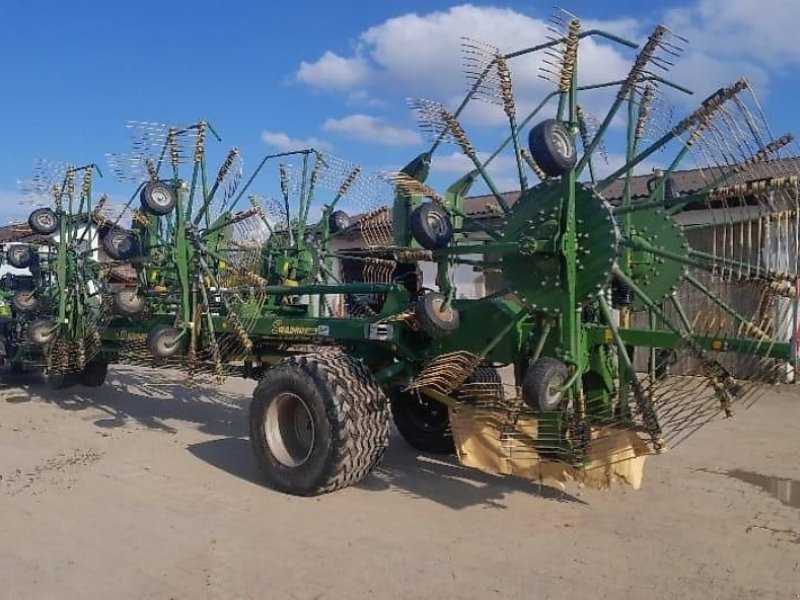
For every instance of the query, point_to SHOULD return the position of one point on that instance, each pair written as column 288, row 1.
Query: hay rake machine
column 61, row 309
column 207, row 268
column 592, row 314
column 630, row 310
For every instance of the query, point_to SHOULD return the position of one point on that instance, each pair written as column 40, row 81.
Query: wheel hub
column 656, row 277
column 536, row 272
column 289, row 430
column 160, row 197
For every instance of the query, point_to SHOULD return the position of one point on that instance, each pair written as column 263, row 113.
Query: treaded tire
column 128, row 302
column 41, row 332
column 431, row 319
column 158, row 198
column 43, row 221
column 24, row 301
column 552, row 148
column 19, row 257
column 120, row 244
column 338, row 221
column 539, row 382
column 350, row 419
column 94, row 373
column 431, row 226
column 424, row 424
column 161, row 341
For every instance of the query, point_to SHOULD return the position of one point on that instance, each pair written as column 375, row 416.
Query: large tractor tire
column 318, row 423
column 61, row 381
column 425, row 423
column 94, row 373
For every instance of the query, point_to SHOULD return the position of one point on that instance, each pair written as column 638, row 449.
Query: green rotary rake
column 590, row 311
column 62, row 315
column 630, row 310
column 204, row 263
column 624, row 310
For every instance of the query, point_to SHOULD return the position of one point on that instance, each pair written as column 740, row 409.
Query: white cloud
column 420, row 55
column 332, row 71
column 763, row 32
column 730, row 39
column 372, row 129
column 284, row 143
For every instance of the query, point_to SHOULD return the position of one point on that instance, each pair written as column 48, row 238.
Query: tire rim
column 20, row 255
column 553, row 395
column 121, row 243
column 25, row 300
column 438, row 224
column 427, row 416
column 130, row 300
column 563, row 143
column 45, row 221
column 165, row 343
column 42, row 333
column 289, row 430
column 160, row 197
column 446, row 315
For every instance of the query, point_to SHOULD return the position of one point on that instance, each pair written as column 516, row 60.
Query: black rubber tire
column 161, row 341
column 423, row 423
column 17, row 367
column 539, row 382
column 94, row 373
column 158, row 198
column 43, row 221
column 349, row 414
column 552, row 147
column 19, row 256
column 119, row 244
column 338, row 221
column 24, row 302
column 431, row 226
column 128, row 302
column 41, row 332
column 431, row 319
column 61, row 381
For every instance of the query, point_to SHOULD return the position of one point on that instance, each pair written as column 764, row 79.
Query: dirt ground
column 144, row 489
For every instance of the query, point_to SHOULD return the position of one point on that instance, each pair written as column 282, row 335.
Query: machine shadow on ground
column 149, row 400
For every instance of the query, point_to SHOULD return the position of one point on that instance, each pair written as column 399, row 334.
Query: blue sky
column 270, row 75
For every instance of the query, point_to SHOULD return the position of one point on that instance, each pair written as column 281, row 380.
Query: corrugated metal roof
column 684, row 182
column 21, row 233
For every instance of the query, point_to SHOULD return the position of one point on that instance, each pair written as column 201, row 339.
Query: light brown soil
column 144, row 489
